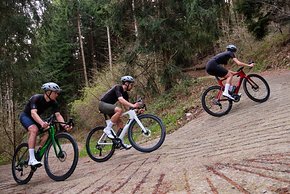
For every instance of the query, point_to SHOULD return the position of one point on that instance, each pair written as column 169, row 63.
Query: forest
column 87, row 45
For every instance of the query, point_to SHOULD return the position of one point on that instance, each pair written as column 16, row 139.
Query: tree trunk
column 134, row 18
column 110, row 51
column 82, row 50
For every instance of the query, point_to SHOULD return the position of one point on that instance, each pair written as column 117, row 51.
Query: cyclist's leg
column 117, row 114
column 223, row 72
column 43, row 139
column 109, row 109
column 119, row 124
column 32, row 128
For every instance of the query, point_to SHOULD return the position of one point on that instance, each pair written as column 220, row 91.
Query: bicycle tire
column 150, row 142
column 20, row 165
column 60, row 166
column 99, row 152
column 254, row 85
column 215, row 106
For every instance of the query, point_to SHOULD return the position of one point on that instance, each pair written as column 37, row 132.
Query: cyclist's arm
column 126, row 103
column 241, row 63
column 37, row 118
column 59, row 118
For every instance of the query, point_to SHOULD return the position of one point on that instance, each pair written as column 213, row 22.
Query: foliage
column 259, row 14
column 18, row 75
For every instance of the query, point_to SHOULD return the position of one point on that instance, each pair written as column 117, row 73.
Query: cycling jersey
column 114, row 93
column 214, row 67
column 38, row 102
column 224, row 57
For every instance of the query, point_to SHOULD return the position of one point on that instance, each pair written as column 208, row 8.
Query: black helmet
column 51, row 86
column 127, row 78
column 232, row 48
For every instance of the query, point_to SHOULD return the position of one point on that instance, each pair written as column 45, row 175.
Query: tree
column 259, row 14
column 18, row 22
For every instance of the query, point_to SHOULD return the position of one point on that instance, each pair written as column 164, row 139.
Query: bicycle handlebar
column 52, row 120
column 141, row 102
column 241, row 68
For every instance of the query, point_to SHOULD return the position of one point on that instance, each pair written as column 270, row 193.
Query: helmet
column 232, row 48
column 51, row 86
column 127, row 78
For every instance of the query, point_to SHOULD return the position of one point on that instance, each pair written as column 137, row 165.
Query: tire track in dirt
column 246, row 151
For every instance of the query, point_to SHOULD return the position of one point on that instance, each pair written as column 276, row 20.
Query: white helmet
column 127, row 78
column 232, row 48
column 51, row 86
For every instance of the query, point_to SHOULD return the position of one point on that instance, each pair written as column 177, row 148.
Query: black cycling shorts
column 107, row 108
column 215, row 69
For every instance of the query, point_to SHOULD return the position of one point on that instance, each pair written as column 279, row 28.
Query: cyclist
column 30, row 117
column 214, row 67
column 118, row 93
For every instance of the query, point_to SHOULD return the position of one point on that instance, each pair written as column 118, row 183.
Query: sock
column 31, row 154
column 226, row 91
column 109, row 124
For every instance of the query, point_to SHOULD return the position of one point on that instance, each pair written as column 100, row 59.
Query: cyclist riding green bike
column 107, row 104
column 31, row 121
column 214, row 67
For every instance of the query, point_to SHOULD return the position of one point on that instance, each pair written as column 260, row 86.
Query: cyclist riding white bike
column 214, row 67
column 30, row 117
column 107, row 104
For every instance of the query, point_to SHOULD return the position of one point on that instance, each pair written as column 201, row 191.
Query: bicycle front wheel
column 61, row 158
column 256, row 88
column 214, row 103
column 99, row 147
column 22, row 173
column 152, row 138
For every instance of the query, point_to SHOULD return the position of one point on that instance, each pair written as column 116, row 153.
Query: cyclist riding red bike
column 30, row 117
column 215, row 67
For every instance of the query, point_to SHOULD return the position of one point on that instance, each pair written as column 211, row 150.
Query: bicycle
column 255, row 87
column 146, row 133
column 60, row 153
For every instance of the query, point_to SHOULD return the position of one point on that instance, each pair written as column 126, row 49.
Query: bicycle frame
column 132, row 116
column 51, row 131
column 240, row 73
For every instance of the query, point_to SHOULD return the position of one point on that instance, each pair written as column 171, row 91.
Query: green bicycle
column 60, row 154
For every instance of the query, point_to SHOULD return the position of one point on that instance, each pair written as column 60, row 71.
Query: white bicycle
column 146, row 133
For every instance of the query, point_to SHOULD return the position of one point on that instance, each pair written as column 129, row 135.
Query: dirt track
column 246, row 151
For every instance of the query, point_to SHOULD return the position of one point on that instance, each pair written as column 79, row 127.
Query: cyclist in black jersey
column 107, row 104
column 214, row 67
column 30, row 117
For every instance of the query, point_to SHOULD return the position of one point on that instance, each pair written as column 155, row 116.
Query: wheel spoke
column 99, row 147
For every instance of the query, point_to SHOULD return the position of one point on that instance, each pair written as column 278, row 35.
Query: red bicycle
column 255, row 87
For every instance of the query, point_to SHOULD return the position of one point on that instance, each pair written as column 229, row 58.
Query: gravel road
column 246, row 151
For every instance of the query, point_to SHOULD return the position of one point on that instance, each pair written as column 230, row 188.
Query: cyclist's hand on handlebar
column 136, row 105
column 251, row 64
column 68, row 128
column 44, row 125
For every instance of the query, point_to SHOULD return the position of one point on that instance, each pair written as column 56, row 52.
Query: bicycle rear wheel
column 99, row 147
column 214, row 103
column 61, row 161
column 22, row 173
column 147, row 142
column 256, row 88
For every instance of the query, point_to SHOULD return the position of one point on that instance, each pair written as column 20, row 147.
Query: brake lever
column 71, row 122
